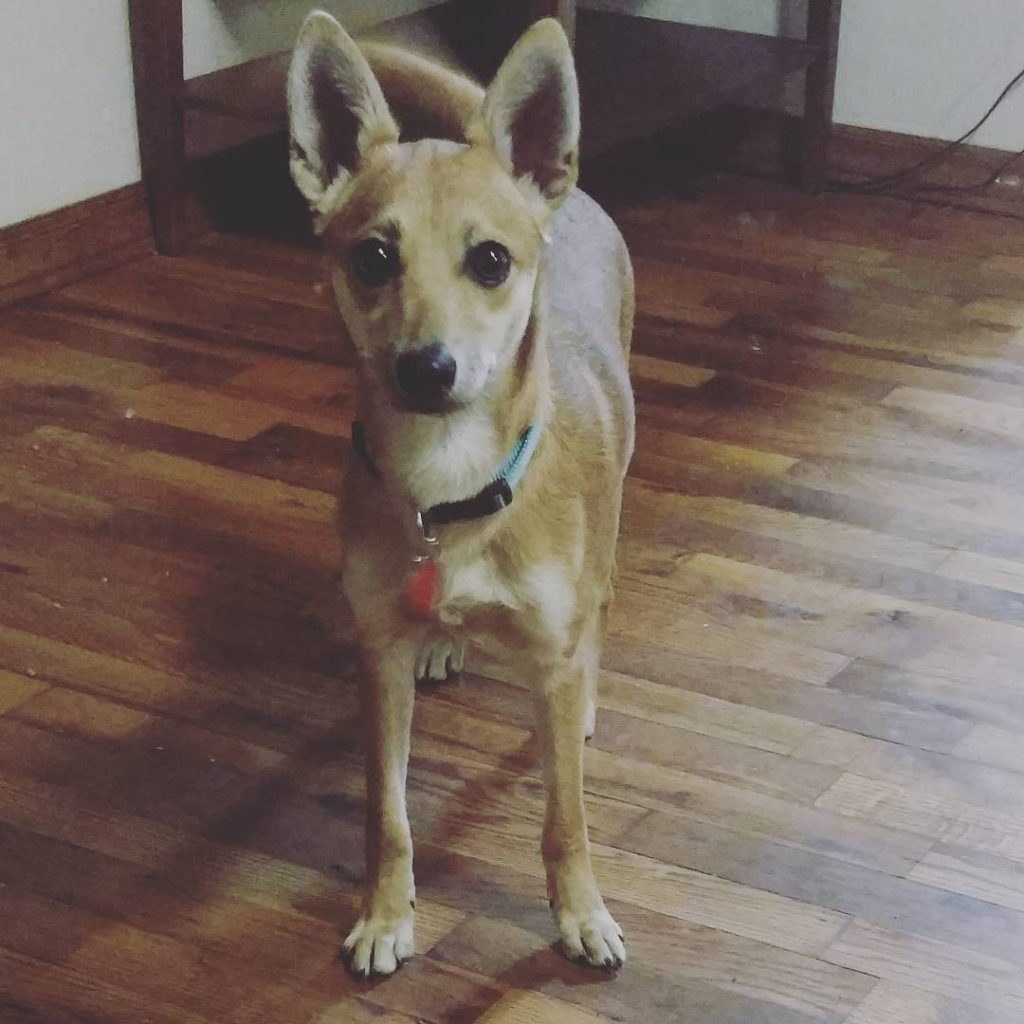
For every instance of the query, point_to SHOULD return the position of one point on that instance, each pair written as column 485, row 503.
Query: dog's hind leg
column 587, row 930
column 588, row 656
column 383, row 935
column 439, row 659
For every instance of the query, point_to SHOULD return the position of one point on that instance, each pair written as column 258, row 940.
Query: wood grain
column 56, row 248
column 805, row 789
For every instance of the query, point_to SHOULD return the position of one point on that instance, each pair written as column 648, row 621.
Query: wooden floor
column 806, row 791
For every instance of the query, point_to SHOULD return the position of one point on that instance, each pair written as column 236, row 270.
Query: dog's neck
column 430, row 460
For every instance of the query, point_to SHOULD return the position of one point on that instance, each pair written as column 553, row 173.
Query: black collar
column 486, row 502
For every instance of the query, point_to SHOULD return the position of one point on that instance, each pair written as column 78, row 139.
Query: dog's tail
column 428, row 99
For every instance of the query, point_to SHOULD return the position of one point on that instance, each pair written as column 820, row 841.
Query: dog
column 489, row 306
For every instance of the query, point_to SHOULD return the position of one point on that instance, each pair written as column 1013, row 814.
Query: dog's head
column 434, row 245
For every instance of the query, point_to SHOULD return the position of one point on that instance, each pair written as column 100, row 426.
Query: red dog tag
column 421, row 590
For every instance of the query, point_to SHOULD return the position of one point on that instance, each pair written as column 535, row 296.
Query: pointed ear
column 336, row 109
column 531, row 112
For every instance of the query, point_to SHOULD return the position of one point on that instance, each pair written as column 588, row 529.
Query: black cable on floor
column 887, row 180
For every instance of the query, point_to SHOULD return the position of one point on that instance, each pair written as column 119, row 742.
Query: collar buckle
column 428, row 540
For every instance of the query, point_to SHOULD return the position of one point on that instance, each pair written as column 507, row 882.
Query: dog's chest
column 471, row 586
column 539, row 601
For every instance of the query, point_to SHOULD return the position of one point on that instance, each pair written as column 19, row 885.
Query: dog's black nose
column 426, row 375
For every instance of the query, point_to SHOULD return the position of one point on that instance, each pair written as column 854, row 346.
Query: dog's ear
column 336, row 109
column 531, row 112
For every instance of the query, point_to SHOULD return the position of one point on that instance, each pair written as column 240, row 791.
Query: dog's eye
column 489, row 263
column 375, row 261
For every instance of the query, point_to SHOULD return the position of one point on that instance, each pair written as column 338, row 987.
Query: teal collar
column 495, row 496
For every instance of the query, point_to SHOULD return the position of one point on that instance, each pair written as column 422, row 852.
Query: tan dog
column 490, row 306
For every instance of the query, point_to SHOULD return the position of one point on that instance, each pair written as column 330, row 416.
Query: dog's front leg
column 587, row 930
column 383, row 935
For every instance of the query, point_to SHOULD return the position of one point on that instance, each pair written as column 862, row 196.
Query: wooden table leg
column 819, row 94
column 159, row 74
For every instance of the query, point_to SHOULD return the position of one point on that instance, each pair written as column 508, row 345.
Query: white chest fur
column 545, row 592
column 472, row 585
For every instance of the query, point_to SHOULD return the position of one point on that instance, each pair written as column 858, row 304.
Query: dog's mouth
column 424, row 405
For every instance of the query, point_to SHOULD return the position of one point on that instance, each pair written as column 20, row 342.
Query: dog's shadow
column 268, row 632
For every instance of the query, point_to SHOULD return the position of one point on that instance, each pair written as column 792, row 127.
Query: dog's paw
column 589, row 720
column 438, row 660
column 377, row 945
column 592, row 937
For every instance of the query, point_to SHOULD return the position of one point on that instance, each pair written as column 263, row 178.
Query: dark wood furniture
column 668, row 72
column 158, row 67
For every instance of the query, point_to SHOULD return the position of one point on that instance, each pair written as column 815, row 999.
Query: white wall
column 67, row 110
column 932, row 67
column 923, row 67
column 219, row 33
column 67, row 121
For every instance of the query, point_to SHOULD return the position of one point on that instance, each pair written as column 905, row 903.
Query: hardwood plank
column 82, row 715
column 674, row 956
column 235, row 871
column 689, row 528
column 679, row 797
column 38, row 991
column 235, row 417
column 989, row 981
column 942, row 777
column 991, row 745
column 856, row 509
column 638, row 698
column 999, row 704
column 664, row 371
column 273, row 718
column 175, row 358
column 671, row 445
column 136, row 296
column 986, row 570
column 763, row 771
column 642, row 611
column 653, row 512
column 51, row 931
column 1003, row 421
column 225, row 498
column 896, row 1003
column 691, row 794
column 518, row 1007
column 650, row 995
column 16, row 689
column 943, row 818
column 784, row 606
column 985, row 877
column 918, row 723
column 677, row 892
column 880, row 899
